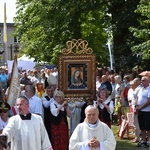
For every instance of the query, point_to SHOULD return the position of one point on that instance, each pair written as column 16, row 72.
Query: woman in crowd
column 119, row 98
column 59, row 126
column 105, row 105
column 4, row 112
column 40, row 89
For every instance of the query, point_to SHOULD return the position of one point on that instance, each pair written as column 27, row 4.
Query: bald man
column 92, row 133
column 143, row 109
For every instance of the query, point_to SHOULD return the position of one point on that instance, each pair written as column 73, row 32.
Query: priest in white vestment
column 92, row 134
column 26, row 131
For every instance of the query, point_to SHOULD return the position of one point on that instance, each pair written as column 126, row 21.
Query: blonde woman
column 59, row 132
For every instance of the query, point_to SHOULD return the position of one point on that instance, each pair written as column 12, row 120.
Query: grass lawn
column 125, row 143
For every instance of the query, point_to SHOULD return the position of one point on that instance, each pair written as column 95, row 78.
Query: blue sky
column 10, row 10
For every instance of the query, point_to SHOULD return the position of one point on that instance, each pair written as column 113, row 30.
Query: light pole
column 110, row 55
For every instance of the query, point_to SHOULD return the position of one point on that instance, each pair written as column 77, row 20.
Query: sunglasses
column 4, row 111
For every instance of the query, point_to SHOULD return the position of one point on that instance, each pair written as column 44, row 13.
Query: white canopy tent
column 24, row 63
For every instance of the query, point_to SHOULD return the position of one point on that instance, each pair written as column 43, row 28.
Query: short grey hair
column 24, row 98
column 118, row 78
column 90, row 107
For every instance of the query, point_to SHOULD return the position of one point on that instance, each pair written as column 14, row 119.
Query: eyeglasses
column 143, row 80
column 4, row 111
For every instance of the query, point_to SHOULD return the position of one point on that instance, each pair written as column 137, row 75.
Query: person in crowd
column 3, row 79
column 105, row 105
column 47, row 72
column 92, row 133
column 4, row 112
column 35, row 102
column 46, row 100
column 25, row 80
column 135, row 87
column 126, row 89
column 40, row 89
column 44, row 80
column 106, row 84
column 4, row 117
column 59, row 126
column 130, row 96
column 55, row 74
column 98, row 82
column 29, row 74
column 119, row 97
column 113, row 84
column 36, row 78
column 26, row 130
column 143, row 110
column 76, row 108
column 52, row 81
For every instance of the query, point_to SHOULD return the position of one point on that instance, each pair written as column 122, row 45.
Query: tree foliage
column 142, row 33
column 123, row 17
column 44, row 27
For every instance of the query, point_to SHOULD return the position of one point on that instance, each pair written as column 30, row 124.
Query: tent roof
column 25, row 58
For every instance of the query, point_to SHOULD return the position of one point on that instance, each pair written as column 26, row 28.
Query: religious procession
column 42, row 119
column 74, row 75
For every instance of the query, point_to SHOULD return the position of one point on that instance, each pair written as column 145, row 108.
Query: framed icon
column 77, row 70
column 77, row 75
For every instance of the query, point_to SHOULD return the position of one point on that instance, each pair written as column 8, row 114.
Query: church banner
column 14, row 90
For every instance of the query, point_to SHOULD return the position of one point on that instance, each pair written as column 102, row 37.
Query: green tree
column 142, row 33
column 123, row 17
column 44, row 27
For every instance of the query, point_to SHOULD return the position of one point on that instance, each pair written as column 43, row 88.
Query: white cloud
column 10, row 10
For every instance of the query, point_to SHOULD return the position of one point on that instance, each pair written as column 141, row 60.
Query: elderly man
column 26, row 131
column 143, row 109
column 106, row 84
column 92, row 133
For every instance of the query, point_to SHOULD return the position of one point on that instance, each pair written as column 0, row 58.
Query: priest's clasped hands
column 94, row 143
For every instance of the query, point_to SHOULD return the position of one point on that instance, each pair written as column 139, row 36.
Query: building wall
column 10, row 43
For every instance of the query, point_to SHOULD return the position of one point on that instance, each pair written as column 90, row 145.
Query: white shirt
column 35, row 105
column 111, row 105
column 53, row 108
column 45, row 102
column 143, row 95
column 131, row 97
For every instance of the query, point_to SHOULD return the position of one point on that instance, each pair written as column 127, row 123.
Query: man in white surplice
column 26, row 131
column 92, row 134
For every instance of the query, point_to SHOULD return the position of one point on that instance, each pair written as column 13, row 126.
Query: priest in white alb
column 26, row 131
column 92, row 134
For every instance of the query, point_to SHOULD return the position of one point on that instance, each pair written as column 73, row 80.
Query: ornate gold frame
column 77, row 55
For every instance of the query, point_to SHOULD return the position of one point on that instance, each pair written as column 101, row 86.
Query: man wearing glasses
column 143, row 110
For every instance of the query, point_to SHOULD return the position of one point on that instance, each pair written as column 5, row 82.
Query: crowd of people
column 39, row 120
column 129, row 91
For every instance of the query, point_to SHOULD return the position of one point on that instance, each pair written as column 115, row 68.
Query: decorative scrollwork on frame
column 77, row 47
